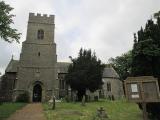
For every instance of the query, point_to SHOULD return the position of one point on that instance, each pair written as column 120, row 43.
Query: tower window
column 39, row 53
column 40, row 34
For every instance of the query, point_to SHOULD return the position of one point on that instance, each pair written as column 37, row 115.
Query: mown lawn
column 6, row 109
column 117, row 110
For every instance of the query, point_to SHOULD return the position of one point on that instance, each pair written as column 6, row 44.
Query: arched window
column 108, row 86
column 40, row 34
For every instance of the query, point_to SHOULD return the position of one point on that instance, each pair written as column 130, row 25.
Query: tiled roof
column 12, row 66
column 109, row 72
column 62, row 67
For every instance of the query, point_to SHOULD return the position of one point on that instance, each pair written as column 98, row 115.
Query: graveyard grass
column 6, row 109
column 117, row 110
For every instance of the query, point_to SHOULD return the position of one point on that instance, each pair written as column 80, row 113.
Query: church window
column 39, row 53
column 61, row 81
column 108, row 86
column 14, row 83
column 40, row 34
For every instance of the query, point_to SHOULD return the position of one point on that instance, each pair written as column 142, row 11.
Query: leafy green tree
column 85, row 73
column 7, row 33
column 157, row 14
column 122, row 64
column 146, row 50
column 146, row 56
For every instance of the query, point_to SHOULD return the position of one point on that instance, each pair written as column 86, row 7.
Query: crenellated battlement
column 41, row 18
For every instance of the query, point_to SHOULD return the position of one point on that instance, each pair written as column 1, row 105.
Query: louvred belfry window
column 40, row 34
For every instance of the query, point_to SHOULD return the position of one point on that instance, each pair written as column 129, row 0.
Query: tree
column 146, row 50
column 85, row 73
column 6, row 31
column 122, row 64
column 157, row 14
column 146, row 56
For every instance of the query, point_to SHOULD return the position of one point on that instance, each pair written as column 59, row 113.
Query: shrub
column 24, row 97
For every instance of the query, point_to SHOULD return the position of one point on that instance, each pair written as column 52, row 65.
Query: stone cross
column 101, row 113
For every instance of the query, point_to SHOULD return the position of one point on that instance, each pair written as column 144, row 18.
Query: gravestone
column 54, row 103
column 74, row 97
column 83, row 100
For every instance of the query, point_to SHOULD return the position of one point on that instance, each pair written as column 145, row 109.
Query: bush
column 1, row 101
column 67, row 99
column 153, row 110
column 24, row 97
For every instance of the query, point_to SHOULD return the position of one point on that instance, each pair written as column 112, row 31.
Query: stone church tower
column 37, row 65
column 38, row 73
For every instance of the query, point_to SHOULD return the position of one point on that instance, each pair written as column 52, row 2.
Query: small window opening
column 37, row 70
column 39, row 53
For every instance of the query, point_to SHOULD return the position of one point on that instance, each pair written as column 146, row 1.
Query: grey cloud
column 106, row 26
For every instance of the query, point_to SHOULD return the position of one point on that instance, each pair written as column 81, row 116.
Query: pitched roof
column 62, row 67
column 12, row 66
column 109, row 72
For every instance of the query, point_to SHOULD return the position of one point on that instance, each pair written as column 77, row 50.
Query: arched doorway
column 37, row 93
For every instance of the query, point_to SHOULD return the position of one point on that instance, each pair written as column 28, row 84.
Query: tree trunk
column 80, row 94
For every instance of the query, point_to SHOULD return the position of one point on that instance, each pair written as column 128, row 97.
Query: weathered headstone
column 74, row 97
column 54, row 103
column 83, row 100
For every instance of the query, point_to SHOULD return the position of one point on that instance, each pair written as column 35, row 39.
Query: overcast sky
column 105, row 26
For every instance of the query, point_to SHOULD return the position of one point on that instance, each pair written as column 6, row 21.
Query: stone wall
column 116, row 88
column 38, row 58
column 7, row 86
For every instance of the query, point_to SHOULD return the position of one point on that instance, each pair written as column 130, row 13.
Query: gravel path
column 32, row 111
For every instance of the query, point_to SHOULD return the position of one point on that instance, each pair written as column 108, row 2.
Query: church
column 38, row 73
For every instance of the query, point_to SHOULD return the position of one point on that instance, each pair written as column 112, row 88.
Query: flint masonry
column 38, row 73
